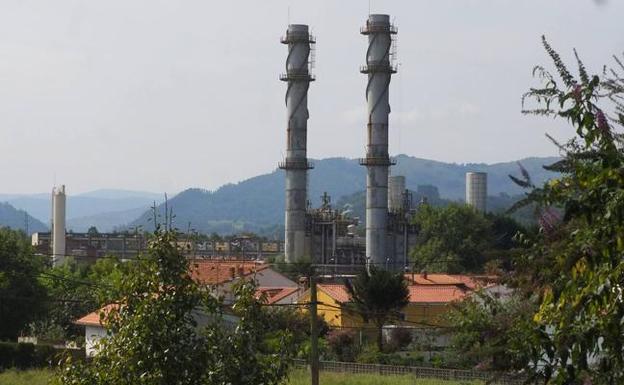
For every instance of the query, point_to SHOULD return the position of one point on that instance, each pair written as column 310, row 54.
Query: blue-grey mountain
column 257, row 204
column 19, row 219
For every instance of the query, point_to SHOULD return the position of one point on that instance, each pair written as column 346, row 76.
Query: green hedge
column 26, row 356
column 374, row 357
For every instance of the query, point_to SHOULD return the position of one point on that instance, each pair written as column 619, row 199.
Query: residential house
column 427, row 303
column 219, row 277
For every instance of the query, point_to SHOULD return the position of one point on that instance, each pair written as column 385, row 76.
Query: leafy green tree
column 575, row 265
column 73, row 290
column 70, row 295
column 22, row 297
column 492, row 333
column 107, row 275
column 242, row 356
column 296, row 323
column 457, row 239
column 167, row 329
column 451, row 239
column 378, row 295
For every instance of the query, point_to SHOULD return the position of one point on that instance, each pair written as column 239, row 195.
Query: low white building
column 94, row 330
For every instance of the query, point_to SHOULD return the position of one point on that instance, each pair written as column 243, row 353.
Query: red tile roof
column 472, row 282
column 433, row 279
column 337, row 292
column 93, row 319
column 209, row 272
column 435, row 294
column 417, row 293
column 275, row 294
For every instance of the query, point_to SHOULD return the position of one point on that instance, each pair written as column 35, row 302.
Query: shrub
column 26, row 356
column 400, row 338
column 370, row 355
column 304, row 350
column 343, row 344
column 437, row 361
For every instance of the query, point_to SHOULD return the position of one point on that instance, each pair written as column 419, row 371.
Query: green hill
column 19, row 219
column 257, row 204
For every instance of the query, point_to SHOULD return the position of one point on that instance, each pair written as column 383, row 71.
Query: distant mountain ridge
column 121, row 194
column 257, row 204
column 19, row 219
column 105, row 209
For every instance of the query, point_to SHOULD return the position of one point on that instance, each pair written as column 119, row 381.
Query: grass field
column 297, row 377
column 25, row 377
column 301, row 377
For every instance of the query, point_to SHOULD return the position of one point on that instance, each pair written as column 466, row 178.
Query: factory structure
column 476, row 190
column 88, row 247
column 325, row 235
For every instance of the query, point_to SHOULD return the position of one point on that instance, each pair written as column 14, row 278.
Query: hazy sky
column 165, row 95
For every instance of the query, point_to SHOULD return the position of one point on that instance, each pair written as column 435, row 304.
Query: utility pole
column 314, row 358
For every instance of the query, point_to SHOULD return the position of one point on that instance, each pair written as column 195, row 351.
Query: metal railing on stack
column 418, row 372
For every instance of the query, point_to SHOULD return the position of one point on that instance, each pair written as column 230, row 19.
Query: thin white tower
column 379, row 70
column 476, row 190
column 58, row 225
column 296, row 165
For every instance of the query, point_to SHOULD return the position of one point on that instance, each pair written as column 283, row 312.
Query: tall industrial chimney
column 379, row 70
column 300, row 43
column 476, row 190
column 58, row 225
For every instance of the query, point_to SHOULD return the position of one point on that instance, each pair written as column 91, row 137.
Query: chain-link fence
column 419, row 373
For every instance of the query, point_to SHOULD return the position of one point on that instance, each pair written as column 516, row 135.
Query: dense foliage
column 22, row 297
column 378, row 296
column 491, row 333
column 167, row 329
column 575, row 264
column 73, row 290
column 457, row 239
column 26, row 356
column 343, row 345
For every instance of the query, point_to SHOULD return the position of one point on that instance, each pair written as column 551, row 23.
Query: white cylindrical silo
column 58, row 225
column 379, row 70
column 296, row 164
column 476, row 190
column 396, row 188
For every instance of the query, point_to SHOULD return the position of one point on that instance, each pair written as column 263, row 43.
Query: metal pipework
column 296, row 164
column 379, row 70
column 58, row 225
column 476, row 190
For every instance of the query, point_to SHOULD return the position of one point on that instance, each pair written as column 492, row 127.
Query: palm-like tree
column 378, row 295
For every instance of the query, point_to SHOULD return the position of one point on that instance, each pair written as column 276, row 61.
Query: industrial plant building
column 323, row 234
column 88, row 247
column 476, row 190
